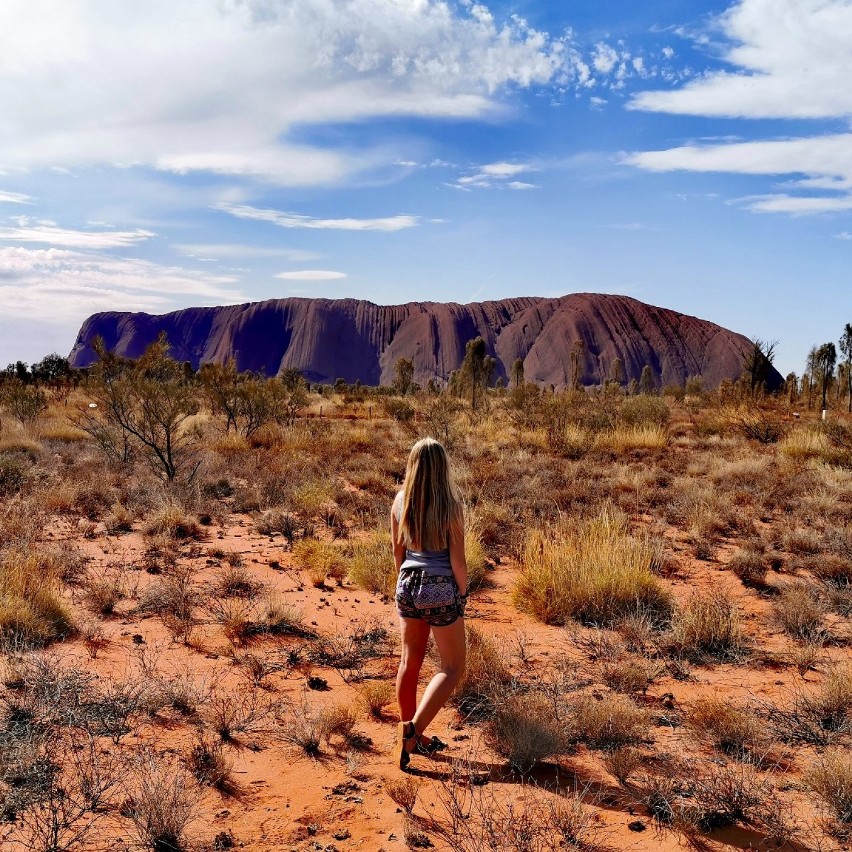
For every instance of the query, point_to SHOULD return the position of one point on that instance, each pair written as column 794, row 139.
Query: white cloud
column 297, row 220
column 827, row 159
column 62, row 287
column 604, row 58
column 495, row 176
column 311, row 275
column 791, row 60
column 49, row 234
column 843, row 235
column 219, row 85
column 226, row 250
column 668, row 52
column 14, row 197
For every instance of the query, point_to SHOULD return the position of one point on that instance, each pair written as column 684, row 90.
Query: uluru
column 357, row 340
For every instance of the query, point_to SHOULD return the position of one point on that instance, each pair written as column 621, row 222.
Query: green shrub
column 645, row 411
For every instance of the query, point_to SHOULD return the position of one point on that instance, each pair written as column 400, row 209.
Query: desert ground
column 659, row 628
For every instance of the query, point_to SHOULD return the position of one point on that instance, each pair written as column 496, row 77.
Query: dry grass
column 486, row 678
column 371, row 563
column 376, row 695
column 626, row 438
column 524, row 730
column 172, row 521
column 734, row 730
column 403, row 791
column 31, row 608
column 709, row 625
column 606, row 723
column 801, row 612
column 318, row 559
column 163, row 801
column 831, row 779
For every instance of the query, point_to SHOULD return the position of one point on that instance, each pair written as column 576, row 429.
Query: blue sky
column 694, row 155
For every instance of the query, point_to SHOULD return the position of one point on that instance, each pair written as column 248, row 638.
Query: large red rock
column 344, row 338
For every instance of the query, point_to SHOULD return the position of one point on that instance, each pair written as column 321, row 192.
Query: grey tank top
column 435, row 562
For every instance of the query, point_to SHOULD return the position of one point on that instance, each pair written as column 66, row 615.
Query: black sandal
column 402, row 739
column 430, row 747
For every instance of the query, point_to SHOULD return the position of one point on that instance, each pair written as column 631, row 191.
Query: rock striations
column 349, row 339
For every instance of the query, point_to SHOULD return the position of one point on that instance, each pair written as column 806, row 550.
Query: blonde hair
column 429, row 507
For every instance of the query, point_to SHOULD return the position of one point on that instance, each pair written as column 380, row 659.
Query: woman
column 427, row 526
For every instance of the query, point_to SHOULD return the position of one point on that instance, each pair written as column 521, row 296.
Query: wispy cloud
column 827, row 159
column 297, row 220
column 51, row 235
column 14, row 197
column 233, row 250
column 843, row 235
column 311, row 275
column 495, row 176
column 62, row 286
column 791, row 60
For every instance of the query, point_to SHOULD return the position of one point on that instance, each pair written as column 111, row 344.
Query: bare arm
column 398, row 547
column 458, row 562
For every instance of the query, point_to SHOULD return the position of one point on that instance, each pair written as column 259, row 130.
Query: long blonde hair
column 430, row 507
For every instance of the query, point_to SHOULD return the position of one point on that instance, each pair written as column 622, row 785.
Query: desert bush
column 31, row 608
column 624, row 439
column 758, row 424
column 371, row 564
column 750, row 566
column 630, row 675
column 606, row 723
column 21, row 400
column 304, row 726
column 172, row 521
column 645, row 410
column 831, row 779
column 236, row 581
column 339, row 720
column 524, row 730
column 120, row 519
column 709, row 625
column 13, row 473
column 376, row 695
column 104, row 589
column 818, row 716
column 479, row 820
column 802, row 541
column 281, row 618
column 277, row 522
column 318, row 559
column 403, row 791
column 237, row 712
column 486, row 677
column 800, row 612
column 736, row 731
column 162, row 803
column 209, row 763
column 727, row 795
column 623, row 762
column 593, row 571
column 349, row 653
column 803, row 442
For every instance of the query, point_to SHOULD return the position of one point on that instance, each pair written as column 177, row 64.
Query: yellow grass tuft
column 594, row 571
column 318, row 559
column 626, row 438
column 30, row 606
column 371, row 563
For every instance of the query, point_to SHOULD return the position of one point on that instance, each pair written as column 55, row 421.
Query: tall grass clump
column 371, row 563
column 593, row 571
column 31, row 608
column 708, row 625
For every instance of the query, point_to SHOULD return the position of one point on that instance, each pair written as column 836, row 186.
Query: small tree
column 517, row 373
column 403, row 375
column 846, row 351
column 149, row 400
column 476, row 370
column 577, row 359
column 221, row 386
column 824, row 361
column 757, row 363
column 21, row 400
column 646, row 381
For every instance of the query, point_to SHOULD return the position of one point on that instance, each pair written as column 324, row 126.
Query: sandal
column 430, row 746
column 402, row 739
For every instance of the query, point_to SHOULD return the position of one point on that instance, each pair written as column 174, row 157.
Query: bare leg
column 415, row 638
column 450, row 641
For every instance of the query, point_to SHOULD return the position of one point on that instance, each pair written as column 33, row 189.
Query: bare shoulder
column 396, row 506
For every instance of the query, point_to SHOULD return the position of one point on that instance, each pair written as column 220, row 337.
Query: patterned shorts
column 433, row 597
